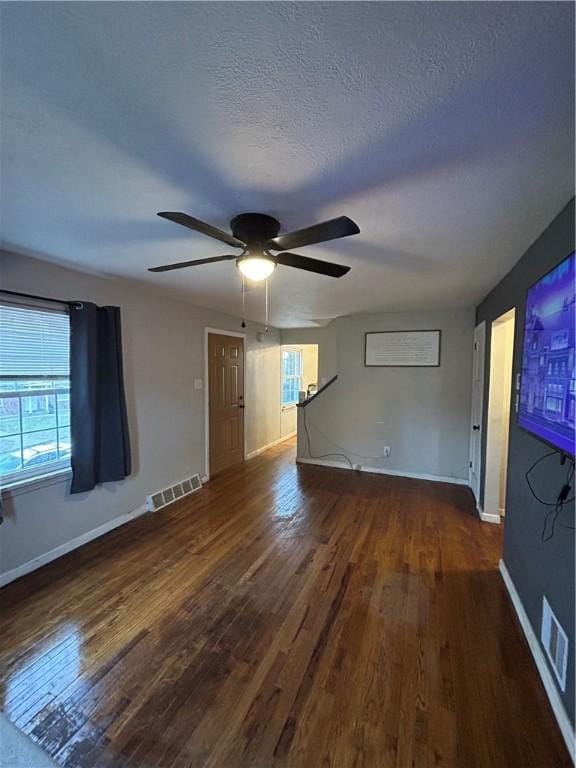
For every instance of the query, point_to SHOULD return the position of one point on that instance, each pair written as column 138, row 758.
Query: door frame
column 491, row 514
column 219, row 332
column 478, row 336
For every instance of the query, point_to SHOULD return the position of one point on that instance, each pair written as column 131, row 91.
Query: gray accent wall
column 163, row 343
column 537, row 568
column 422, row 414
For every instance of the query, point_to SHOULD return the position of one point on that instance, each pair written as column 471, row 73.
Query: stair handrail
column 323, row 388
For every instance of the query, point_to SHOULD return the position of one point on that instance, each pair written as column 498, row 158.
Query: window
column 291, row 376
column 34, row 392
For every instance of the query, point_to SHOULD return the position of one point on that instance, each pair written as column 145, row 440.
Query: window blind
column 33, row 342
column 291, row 375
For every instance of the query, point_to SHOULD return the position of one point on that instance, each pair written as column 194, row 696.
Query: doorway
column 299, row 373
column 498, row 422
column 225, row 391
column 475, row 466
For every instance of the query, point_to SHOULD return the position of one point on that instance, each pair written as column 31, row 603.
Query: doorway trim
column 220, row 332
column 478, row 362
column 493, row 513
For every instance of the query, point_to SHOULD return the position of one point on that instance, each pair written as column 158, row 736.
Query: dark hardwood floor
column 282, row 616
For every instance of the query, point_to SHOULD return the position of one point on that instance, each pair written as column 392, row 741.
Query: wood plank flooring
column 282, row 616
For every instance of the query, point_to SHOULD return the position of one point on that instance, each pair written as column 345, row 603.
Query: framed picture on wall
column 402, row 349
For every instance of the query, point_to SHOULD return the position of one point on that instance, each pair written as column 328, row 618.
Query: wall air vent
column 555, row 643
column 160, row 499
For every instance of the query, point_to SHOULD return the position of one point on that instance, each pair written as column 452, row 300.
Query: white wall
column 163, row 341
column 421, row 413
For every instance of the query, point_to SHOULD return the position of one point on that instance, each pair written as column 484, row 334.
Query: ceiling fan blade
column 311, row 265
column 318, row 233
column 201, row 226
column 182, row 264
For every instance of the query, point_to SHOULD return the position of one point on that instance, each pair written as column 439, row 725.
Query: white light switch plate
column 197, row 383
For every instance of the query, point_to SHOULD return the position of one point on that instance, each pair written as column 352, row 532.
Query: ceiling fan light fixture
column 256, row 267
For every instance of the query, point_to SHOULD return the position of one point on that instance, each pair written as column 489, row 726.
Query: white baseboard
column 489, row 517
column 381, row 471
column 270, row 445
column 68, row 546
column 541, row 664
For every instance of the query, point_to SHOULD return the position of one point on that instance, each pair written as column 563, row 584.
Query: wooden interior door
column 225, row 401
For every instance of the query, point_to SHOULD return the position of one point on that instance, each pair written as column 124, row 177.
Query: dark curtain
column 98, row 420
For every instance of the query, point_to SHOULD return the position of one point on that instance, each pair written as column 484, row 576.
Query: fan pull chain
column 243, row 300
column 266, row 324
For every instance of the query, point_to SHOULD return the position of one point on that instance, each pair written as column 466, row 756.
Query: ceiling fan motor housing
column 254, row 228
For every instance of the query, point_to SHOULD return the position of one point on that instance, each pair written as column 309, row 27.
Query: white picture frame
column 402, row 349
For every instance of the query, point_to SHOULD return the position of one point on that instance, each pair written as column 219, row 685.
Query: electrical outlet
column 387, row 451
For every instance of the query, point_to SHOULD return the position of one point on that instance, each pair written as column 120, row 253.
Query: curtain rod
column 76, row 304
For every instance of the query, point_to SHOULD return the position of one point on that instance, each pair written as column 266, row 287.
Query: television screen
column 546, row 407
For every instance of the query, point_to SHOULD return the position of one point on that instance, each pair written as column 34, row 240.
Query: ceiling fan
column 257, row 235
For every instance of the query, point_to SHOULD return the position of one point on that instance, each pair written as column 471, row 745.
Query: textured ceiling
column 444, row 129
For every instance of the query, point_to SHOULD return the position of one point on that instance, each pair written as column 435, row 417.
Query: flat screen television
column 547, row 387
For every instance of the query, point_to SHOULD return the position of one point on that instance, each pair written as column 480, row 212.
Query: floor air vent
column 555, row 643
column 162, row 498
